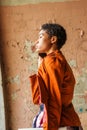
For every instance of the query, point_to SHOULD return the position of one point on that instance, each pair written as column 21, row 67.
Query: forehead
column 42, row 32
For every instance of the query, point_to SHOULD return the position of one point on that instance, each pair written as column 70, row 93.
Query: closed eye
column 40, row 36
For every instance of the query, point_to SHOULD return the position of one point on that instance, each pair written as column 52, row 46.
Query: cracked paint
column 29, row 56
column 81, row 87
column 72, row 63
column 14, row 96
column 12, row 80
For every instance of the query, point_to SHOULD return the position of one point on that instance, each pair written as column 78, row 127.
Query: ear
column 53, row 39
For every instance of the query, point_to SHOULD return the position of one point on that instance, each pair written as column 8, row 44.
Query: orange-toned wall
column 19, row 26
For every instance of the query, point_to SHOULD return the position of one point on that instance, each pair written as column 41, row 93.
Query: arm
column 39, row 92
column 35, row 89
column 36, row 81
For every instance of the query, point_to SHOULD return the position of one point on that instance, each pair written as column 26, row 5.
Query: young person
column 54, row 83
column 38, row 119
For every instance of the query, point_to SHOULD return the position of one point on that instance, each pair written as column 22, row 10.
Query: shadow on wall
column 2, row 113
column 2, row 94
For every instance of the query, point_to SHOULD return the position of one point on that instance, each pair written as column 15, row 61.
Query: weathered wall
column 23, row 2
column 19, row 26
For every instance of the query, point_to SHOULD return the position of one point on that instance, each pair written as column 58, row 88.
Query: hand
column 33, row 48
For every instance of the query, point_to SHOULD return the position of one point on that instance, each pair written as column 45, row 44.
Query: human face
column 43, row 44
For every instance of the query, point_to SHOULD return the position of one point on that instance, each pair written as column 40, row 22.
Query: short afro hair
column 57, row 30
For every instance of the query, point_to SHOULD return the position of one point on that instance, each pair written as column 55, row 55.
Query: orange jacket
column 54, row 86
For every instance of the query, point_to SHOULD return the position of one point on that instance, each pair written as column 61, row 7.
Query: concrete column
column 14, row 49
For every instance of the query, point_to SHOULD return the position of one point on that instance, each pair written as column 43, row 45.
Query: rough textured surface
column 22, row 2
column 19, row 27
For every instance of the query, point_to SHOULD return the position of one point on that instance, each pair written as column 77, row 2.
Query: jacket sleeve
column 39, row 90
column 35, row 88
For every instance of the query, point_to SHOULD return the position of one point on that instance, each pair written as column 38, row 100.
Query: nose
column 36, row 42
column 33, row 47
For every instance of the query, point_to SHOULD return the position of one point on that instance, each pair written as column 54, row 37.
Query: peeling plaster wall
column 19, row 27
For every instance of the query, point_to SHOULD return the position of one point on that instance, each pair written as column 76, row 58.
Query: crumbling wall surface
column 19, row 26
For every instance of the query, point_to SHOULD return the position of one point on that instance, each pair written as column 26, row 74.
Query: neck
column 52, row 49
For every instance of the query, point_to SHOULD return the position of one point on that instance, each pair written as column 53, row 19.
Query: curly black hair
column 57, row 30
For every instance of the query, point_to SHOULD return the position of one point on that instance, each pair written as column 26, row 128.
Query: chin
column 39, row 51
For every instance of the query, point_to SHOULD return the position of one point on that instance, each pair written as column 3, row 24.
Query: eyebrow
column 41, row 34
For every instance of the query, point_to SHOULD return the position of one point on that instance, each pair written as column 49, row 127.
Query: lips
column 37, row 46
